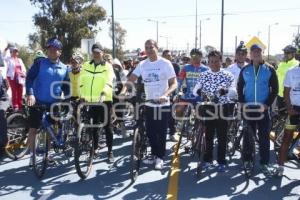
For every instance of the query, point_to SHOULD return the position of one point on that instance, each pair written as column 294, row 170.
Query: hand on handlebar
column 163, row 99
column 223, row 91
column 30, row 100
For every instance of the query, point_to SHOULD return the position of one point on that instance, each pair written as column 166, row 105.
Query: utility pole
column 298, row 26
column 269, row 38
column 200, row 34
column 157, row 22
column 113, row 28
column 222, row 27
column 196, row 27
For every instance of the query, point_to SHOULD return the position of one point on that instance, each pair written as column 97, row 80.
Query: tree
column 296, row 41
column 26, row 55
column 68, row 20
column 209, row 49
column 120, row 34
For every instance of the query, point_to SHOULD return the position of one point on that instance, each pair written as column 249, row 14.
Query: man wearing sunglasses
column 190, row 73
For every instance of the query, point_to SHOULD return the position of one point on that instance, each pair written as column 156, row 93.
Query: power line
column 205, row 14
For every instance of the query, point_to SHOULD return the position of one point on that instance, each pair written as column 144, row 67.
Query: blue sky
column 243, row 19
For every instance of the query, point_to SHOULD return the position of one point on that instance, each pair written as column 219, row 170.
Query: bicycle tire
column 84, row 142
column 17, row 130
column 185, row 125
column 199, row 145
column 136, row 155
column 248, row 172
column 231, row 138
column 41, row 148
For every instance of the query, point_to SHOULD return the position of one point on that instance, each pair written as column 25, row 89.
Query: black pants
column 219, row 126
column 3, row 124
column 101, row 115
column 156, row 128
column 262, row 127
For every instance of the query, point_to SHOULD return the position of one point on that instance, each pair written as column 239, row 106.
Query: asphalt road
column 106, row 181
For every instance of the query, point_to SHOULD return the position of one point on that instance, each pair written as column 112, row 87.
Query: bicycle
column 185, row 127
column 293, row 150
column 250, row 134
column 84, row 147
column 56, row 133
column 199, row 134
column 140, row 142
column 278, row 123
column 234, row 137
column 234, row 134
column 17, row 130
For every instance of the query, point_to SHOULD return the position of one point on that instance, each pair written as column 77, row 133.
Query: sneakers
column 279, row 171
column 30, row 162
column 110, row 157
column 265, row 169
column 248, row 165
column 205, row 165
column 159, row 164
column 149, row 160
column 221, row 168
column 50, row 160
column 174, row 138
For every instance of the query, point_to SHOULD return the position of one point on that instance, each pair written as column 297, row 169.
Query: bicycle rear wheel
column 231, row 138
column 84, row 152
column 248, row 154
column 136, row 155
column 40, row 153
column 199, row 145
column 17, row 129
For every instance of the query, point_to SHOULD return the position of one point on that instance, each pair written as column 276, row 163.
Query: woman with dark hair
column 215, row 83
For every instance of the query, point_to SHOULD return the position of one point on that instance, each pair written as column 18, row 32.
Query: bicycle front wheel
column 231, row 138
column 17, row 130
column 136, row 155
column 40, row 153
column 84, row 153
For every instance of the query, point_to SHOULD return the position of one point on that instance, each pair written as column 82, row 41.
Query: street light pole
column 167, row 40
column 222, row 27
column 269, row 38
column 298, row 26
column 157, row 32
column 200, row 34
column 113, row 28
column 196, row 24
column 156, row 21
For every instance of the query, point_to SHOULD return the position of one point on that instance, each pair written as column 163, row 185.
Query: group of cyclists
column 254, row 86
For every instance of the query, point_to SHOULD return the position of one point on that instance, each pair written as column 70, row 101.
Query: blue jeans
column 156, row 128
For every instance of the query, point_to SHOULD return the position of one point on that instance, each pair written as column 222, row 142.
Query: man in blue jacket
column 257, row 88
column 44, row 86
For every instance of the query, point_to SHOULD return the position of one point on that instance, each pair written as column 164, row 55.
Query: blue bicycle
column 58, row 134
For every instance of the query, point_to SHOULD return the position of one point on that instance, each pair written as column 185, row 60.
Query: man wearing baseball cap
column 96, row 84
column 288, row 62
column 257, row 88
column 42, row 88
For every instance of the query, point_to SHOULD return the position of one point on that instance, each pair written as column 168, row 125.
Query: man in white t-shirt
column 235, row 69
column 291, row 95
column 159, row 82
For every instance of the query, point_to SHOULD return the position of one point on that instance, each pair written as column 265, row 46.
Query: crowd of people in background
column 246, row 79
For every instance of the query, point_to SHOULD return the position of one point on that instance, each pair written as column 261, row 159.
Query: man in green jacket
column 96, row 81
column 288, row 62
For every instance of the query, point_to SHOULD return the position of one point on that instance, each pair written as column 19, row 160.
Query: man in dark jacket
column 257, row 88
